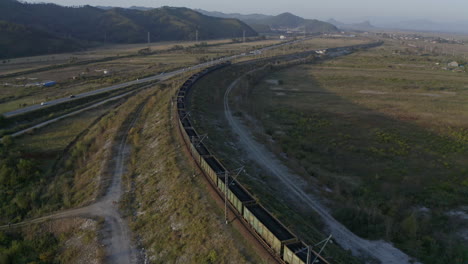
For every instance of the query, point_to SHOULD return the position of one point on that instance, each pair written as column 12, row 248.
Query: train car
column 296, row 253
column 202, row 150
column 270, row 229
column 191, row 137
column 212, row 167
column 237, row 195
column 185, row 122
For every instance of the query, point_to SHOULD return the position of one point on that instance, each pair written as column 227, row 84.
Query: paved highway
column 161, row 76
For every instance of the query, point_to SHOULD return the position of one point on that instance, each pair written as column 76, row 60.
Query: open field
column 382, row 135
column 20, row 91
column 112, row 50
column 208, row 118
column 385, row 135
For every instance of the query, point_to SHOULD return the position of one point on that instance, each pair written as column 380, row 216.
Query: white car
column 43, row 103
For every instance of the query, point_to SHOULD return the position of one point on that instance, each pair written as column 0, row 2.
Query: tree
column 409, row 226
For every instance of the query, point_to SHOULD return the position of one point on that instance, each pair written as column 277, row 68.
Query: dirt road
column 379, row 250
column 116, row 233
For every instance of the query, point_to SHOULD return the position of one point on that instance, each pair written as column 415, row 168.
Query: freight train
column 280, row 242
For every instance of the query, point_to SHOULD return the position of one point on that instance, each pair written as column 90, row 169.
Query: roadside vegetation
column 58, row 241
column 30, row 184
column 384, row 133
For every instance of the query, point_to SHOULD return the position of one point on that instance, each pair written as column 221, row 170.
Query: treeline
column 14, row 248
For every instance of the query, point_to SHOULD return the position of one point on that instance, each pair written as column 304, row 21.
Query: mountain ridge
column 281, row 21
column 117, row 25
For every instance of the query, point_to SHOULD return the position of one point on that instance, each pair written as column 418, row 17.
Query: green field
column 386, row 136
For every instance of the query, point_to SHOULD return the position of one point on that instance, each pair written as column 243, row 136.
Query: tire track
column 117, row 235
column 380, row 250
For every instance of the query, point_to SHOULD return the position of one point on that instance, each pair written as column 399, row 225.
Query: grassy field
column 385, row 133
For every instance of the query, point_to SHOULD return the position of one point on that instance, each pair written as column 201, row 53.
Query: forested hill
column 86, row 24
column 18, row 40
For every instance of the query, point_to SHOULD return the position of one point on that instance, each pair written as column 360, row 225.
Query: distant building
column 453, row 64
column 282, row 37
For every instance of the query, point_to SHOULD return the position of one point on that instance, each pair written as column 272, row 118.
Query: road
column 161, row 77
column 117, row 238
column 380, row 250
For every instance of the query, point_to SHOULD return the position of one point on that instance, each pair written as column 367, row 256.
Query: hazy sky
column 347, row 10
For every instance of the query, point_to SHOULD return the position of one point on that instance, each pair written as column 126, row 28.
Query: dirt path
column 380, row 250
column 116, row 235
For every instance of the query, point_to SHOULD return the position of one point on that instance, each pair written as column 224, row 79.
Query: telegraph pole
column 243, row 36
column 196, row 35
column 149, row 40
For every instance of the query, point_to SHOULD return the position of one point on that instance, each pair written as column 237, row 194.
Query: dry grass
column 175, row 219
column 385, row 134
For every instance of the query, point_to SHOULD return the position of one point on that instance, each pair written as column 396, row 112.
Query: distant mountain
column 141, row 8
column 264, row 23
column 119, row 25
column 233, row 15
column 335, row 22
column 366, row 25
column 288, row 20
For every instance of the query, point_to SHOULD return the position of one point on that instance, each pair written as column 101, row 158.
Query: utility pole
column 196, row 35
column 309, row 250
column 225, row 196
column 149, row 40
column 318, row 254
column 243, row 36
column 226, row 188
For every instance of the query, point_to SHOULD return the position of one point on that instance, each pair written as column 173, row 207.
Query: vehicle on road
column 72, row 96
column 43, row 103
